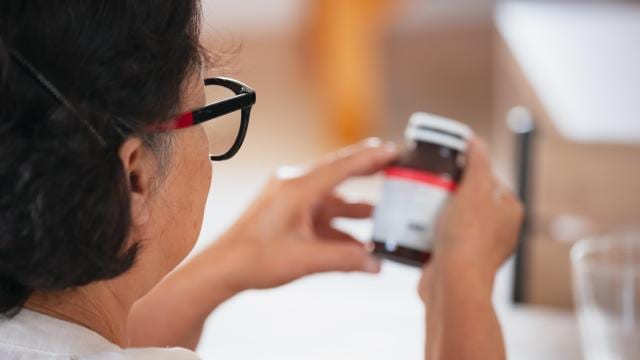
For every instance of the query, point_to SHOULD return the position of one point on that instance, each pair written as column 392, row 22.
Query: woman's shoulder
column 146, row 354
column 23, row 353
column 34, row 336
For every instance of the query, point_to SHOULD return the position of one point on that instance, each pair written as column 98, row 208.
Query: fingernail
column 390, row 147
column 290, row 171
column 372, row 266
column 479, row 143
column 373, row 142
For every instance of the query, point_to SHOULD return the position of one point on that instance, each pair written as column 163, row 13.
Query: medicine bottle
column 417, row 186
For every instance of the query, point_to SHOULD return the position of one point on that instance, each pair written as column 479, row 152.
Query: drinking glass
column 606, row 274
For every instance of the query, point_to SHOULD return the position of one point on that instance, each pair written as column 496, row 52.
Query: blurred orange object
column 346, row 39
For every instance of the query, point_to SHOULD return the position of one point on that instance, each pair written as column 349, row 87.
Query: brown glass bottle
column 416, row 187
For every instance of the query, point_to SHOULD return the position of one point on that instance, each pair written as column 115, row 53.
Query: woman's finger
column 327, row 233
column 335, row 206
column 477, row 173
column 364, row 158
column 353, row 210
column 341, row 256
column 426, row 281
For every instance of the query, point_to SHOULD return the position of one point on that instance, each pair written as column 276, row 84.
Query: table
column 362, row 317
column 359, row 316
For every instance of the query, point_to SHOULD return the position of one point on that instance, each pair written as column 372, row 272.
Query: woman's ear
column 139, row 173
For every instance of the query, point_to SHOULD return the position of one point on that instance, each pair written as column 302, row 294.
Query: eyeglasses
column 225, row 135
column 225, row 119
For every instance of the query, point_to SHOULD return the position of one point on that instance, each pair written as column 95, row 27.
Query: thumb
column 331, row 255
column 478, row 168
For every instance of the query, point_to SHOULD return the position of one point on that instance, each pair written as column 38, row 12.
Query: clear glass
column 606, row 274
column 221, row 131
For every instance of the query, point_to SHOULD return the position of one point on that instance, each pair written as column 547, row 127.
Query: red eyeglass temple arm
column 180, row 122
column 183, row 121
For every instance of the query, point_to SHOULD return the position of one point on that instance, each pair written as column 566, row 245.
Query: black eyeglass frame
column 244, row 99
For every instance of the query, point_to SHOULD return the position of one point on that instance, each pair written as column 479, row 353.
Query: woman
column 105, row 164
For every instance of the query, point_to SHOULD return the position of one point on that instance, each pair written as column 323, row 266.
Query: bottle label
column 411, row 202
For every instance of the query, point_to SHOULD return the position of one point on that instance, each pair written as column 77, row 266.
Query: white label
column 408, row 210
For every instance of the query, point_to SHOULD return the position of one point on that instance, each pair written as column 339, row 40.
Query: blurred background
column 554, row 86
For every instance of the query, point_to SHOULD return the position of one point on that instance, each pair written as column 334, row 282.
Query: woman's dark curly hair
column 64, row 199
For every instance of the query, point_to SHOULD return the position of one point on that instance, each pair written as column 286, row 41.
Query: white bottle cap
column 438, row 130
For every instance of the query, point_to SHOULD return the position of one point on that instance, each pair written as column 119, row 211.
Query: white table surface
column 583, row 60
column 363, row 317
column 356, row 316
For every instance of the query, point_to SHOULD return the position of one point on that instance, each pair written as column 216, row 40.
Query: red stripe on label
column 421, row 177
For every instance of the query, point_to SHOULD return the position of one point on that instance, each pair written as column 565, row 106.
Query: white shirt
column 34, row 336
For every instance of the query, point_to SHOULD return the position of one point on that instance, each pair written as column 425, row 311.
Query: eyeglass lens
column 221, row 131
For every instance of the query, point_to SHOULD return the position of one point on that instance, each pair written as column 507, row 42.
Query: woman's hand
column 283, row 236
column 478, row 229
column 287, row 232
column 476, row 234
